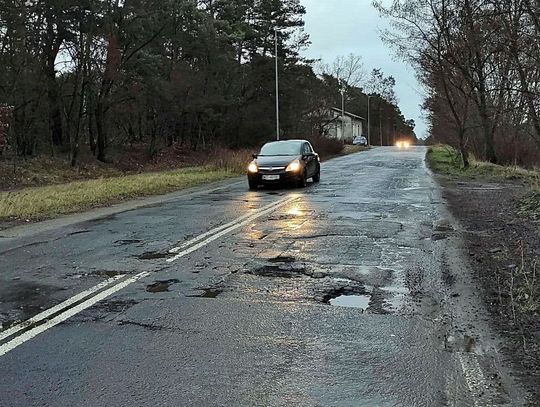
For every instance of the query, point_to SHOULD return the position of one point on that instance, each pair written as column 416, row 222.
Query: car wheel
column 253, row 185
column 317, row 176
column 302, row 182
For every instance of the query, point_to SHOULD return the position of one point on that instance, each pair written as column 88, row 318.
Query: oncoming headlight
column 294, row 166
column 253, row 168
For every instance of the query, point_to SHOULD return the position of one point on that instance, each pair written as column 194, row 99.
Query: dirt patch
column 504, row 246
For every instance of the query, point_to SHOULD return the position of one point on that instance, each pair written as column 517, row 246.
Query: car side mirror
column 255, row 156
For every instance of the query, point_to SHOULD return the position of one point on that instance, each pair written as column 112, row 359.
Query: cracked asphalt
column 355, row 293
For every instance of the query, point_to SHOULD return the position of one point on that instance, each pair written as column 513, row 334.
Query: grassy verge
column 350, row 149
column 53, row 200
column 446, row 160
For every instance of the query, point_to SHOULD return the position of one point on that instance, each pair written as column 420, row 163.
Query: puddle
column 153, row 255
column 351, row 301
column 161, row 286
column 207, row 293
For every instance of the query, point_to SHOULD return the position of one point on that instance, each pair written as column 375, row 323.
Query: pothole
column 280, row 271
column 439, row 236
column 153, row 255
column 282, row 259
column 443, row 227
column 115, row 306
column 207, row 293
column 351, row 301
column 127, row 242
column 160, row 286
column 341, row 291
column 107, row 273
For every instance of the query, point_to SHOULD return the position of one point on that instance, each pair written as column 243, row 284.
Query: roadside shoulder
column 503, row 244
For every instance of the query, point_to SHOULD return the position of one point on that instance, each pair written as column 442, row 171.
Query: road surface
column 351, row 292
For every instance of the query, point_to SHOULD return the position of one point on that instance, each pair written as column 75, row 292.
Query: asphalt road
column 351, row 292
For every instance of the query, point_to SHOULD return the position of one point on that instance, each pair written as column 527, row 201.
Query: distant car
column 284, row 162
column 360, row 141
column 403, row 144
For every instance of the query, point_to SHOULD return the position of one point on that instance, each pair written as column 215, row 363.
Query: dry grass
column 350, row 149
column 53, row 200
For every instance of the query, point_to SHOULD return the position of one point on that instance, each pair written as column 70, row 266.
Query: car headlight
column 399, row 144
column 294, row 166
column 253, row 168
column 406, row 144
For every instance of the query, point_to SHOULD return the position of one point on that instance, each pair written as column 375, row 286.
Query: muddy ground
column 504, row 247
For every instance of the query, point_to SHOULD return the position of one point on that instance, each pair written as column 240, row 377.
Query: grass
column 446, row 160
column 350, row 149
column 54, row 200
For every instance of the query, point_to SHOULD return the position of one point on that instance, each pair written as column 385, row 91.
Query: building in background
column 345, row 130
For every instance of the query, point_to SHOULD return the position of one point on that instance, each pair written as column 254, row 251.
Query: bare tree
column 349, row 70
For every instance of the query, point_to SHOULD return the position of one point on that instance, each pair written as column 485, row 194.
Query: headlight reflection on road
column 295, row 211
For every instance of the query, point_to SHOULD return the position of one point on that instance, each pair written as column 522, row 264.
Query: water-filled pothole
column 160, row 286
column 351, row 301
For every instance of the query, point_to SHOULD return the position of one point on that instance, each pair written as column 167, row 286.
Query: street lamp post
column 277, row 84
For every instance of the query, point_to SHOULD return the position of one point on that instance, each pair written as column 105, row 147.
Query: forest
column 94, row 78
column 479, row 62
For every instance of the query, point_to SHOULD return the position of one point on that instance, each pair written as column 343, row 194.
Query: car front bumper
column 275, row 177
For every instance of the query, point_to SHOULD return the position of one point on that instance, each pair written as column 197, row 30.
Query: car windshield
column 282, row 148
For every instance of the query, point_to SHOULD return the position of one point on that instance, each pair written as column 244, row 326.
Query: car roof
column 296, row 141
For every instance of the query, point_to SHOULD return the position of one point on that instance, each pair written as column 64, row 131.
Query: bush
column 326, row 147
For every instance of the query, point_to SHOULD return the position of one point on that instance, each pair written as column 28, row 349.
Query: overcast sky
column 342, row 27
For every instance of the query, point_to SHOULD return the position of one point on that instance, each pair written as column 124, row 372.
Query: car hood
column 276, row 161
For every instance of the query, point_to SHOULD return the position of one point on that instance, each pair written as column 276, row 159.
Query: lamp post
column 277, row 84
column 368, row 121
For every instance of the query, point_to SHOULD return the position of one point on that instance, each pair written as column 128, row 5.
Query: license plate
column 270, row 177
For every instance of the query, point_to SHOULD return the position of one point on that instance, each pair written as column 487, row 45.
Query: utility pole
column 368, row 121
column 277, row 84
column 342, row 111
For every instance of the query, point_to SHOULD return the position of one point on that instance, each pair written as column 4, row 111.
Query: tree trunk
column 463, row 149
column 101, row 141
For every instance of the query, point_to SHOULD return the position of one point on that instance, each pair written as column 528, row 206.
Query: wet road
column 352, row 292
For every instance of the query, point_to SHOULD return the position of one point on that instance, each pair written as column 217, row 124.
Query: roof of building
column 335, row 109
